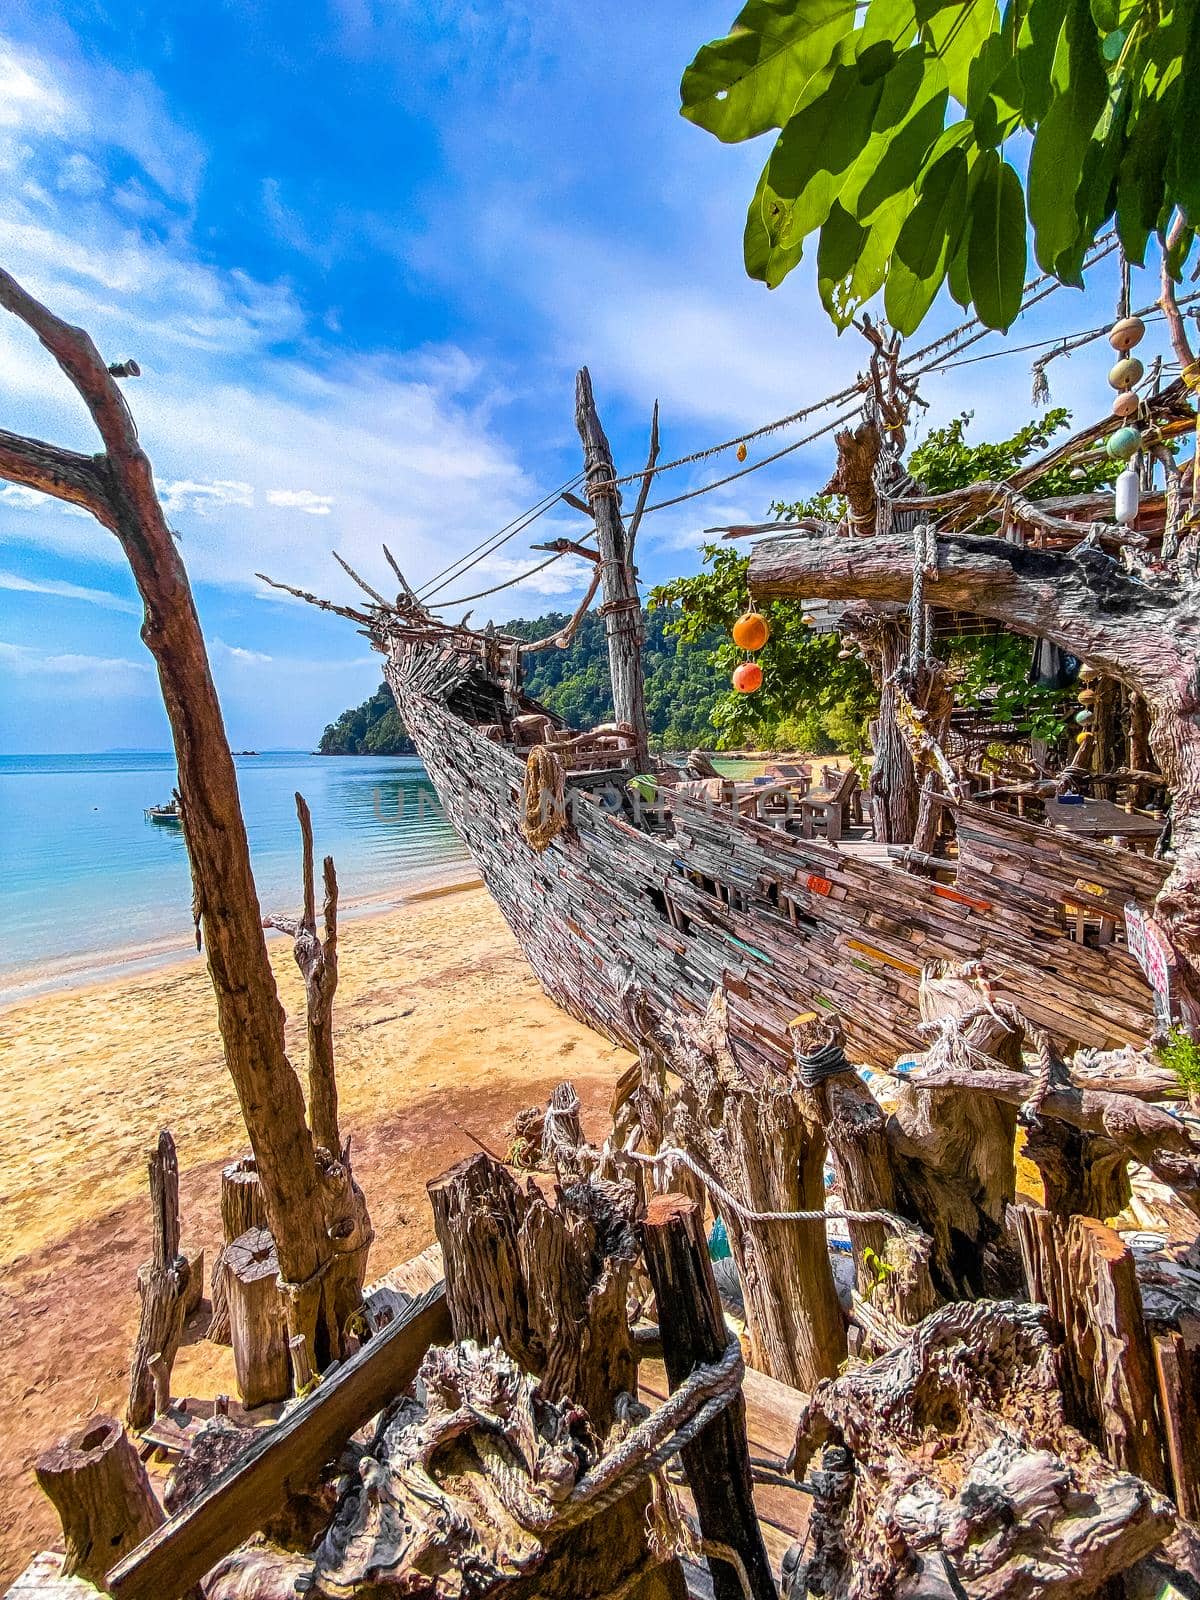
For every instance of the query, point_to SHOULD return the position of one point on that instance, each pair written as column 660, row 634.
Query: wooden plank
column 240, row 1500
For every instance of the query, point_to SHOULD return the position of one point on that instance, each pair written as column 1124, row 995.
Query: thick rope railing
column 671, row 1154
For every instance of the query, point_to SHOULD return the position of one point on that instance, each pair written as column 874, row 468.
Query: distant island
column 682, row 686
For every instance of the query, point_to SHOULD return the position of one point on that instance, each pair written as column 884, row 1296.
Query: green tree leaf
column 1080, row 93
column 996, row 249
column 1037, row 41
column 739, row 86
column 767, row 260
column 956, row 33
column 1184, row 168
column 852, row 260
column 928, row 240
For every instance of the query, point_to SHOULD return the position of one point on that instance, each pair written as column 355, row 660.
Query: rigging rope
column 501, row 536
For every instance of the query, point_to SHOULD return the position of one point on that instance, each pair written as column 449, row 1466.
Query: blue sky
column 359, row 249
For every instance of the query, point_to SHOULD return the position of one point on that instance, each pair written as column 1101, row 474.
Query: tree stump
column 693, row 1331
column 258, row 1330
column 755, row 1139
column 966, row 1477
column 957, row 1169
column 99, row 1487
column 242, row 1208
column 165, row 1288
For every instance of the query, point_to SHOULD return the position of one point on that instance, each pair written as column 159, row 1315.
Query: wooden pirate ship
column 674, row 884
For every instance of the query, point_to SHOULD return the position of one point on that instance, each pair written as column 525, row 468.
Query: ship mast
column 621, row 608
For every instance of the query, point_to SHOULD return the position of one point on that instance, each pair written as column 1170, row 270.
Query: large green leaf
column 928, row 240
column 739, row 86
column 767, row 260
column 1080, row 94
column 1184, row 166
column 852, row 260
column 957, row 32
column 907, row 123
column 819, row 146
column 1037, row 41
column 996, row 249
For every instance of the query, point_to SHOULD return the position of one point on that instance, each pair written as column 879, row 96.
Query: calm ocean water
column 86, row 879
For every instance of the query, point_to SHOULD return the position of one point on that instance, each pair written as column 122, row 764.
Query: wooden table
column 1101, row 819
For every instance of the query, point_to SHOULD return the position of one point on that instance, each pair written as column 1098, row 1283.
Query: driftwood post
column 693, row 1332
column 316, row 958
column 621, row 608
column 163, row 1286
column 117, row 488
column 241, row 1209
column 755, row 1139
column 257, row 1329
column 96, row 1482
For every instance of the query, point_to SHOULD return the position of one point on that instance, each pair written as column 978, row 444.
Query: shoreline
column 68, row 974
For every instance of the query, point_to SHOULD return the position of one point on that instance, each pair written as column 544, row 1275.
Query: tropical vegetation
column 920, row 141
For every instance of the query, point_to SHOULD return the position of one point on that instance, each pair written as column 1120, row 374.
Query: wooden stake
column 164, row 1286
column 257, row 1326
column 693, row 1331
column 1177, row 1370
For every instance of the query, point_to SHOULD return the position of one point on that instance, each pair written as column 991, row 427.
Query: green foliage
column 892, row 120
column 371, row 729
column 809, row 699
column 1181, row 1055
column 683, row 683
column 992, row 673
column 944, row 460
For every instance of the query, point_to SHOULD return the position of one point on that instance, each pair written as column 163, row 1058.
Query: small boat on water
column 167, row 816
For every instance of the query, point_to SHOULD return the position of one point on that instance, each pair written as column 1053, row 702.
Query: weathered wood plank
column 293, row 1450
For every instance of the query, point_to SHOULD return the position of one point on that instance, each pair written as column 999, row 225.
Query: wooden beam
column 292, row 1452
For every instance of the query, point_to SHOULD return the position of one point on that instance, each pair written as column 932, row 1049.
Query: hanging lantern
column 1126, row 404
column 1124, row 444
column 747, row 679
column 741, row 452
column 1128, row 371
column 1126, row 497
column 1126, row 333
column 751, row 632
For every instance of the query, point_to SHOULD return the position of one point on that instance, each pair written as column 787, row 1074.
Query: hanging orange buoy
column 748, row 677
column 750, row 632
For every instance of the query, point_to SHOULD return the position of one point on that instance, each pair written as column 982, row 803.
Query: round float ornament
column 1128, row 371
column 747, row 678
column 1124, row 443
column 1126, row 405
column 1126, row 333
column 750, row 632
column 741, row 452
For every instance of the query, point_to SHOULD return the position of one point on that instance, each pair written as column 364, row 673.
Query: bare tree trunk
column 118, row 489
column 892, row 788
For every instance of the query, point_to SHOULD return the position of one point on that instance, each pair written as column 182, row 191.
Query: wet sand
column 442, row 1032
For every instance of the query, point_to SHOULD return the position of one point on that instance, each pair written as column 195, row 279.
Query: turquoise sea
column 86, row 882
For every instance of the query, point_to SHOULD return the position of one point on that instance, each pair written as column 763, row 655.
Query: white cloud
column 28, row 96
column 202, row 499
column 240, row 654
column 315, row 505
column 20, row 498
column 97, row 676
column 80, row 175
column 67, row 591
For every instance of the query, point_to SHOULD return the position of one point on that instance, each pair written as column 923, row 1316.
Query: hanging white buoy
column 1127, row 494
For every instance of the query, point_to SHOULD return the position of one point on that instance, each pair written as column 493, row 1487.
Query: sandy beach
column 442, row 1032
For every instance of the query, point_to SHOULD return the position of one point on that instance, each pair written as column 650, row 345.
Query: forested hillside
column 683, row 686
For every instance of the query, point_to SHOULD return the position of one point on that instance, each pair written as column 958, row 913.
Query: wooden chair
column 830, row 804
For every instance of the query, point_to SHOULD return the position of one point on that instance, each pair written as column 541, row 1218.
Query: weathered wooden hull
column 784, row 925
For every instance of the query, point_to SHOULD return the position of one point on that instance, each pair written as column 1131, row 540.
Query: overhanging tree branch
column 63, row 474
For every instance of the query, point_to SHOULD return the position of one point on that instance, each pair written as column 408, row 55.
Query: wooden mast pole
column 621, row 608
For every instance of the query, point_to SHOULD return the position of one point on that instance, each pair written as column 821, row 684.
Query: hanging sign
column 1149, row 947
